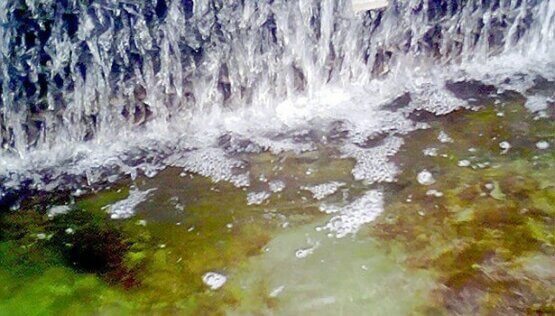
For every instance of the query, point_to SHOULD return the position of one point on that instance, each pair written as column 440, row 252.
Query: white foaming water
column 257, row 198
column 126, row 208
column 213, row 163
column 538, row 103
column 58, row 210
column 323, row 190
column 260, row 73
column 276, row 186
column 352, row 216
column 373, row 164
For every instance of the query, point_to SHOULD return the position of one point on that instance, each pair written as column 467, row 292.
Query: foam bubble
column 505, row 145
column 542, row 144
column 214, row 280
column 434, row 193
column 463, row 163
column 425, row 177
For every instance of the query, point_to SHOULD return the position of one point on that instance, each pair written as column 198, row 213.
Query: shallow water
column 475, row 237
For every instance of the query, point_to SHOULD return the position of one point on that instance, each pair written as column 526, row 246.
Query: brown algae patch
column 486, row 226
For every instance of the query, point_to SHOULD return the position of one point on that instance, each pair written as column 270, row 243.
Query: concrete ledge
column 365, row 5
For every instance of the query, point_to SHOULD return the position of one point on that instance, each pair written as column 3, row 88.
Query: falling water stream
column 240, row 157
column 122, row 85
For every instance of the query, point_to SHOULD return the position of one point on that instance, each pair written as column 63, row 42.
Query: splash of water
column 96, row 89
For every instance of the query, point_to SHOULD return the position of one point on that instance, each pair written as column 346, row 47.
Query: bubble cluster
column 214, row 163
column 257, row 198
column 372, row 164
column 355, row 214
column 323, row 190
column 276, row 186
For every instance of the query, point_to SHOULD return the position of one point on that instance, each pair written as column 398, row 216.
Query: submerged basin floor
column 467, row 227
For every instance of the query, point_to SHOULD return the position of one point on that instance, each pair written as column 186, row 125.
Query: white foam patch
column 329, row 208
column 304, row 252
column 372, row 164
column 214, row 163
column 430, row 151
column 434, row 98
column 277, row 146
column 58, row 210
column 434, row 193
column 126, row 208
column 323, row 190
column 537, row 103
column 444, row 137
column 257, row 198
column 359, row 212
column 276, row 186
column 307, row 251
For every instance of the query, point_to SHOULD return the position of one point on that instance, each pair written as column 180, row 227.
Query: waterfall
column 86, row 84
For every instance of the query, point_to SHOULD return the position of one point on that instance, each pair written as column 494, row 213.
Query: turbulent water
column 96, row 89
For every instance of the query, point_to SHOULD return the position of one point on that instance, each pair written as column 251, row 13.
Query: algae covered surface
column 476, row 237
column 487, row 223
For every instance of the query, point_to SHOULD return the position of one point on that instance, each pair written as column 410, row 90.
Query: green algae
column 491, row 216
column 153, row 262
column 95, row 201
column 36, row 275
